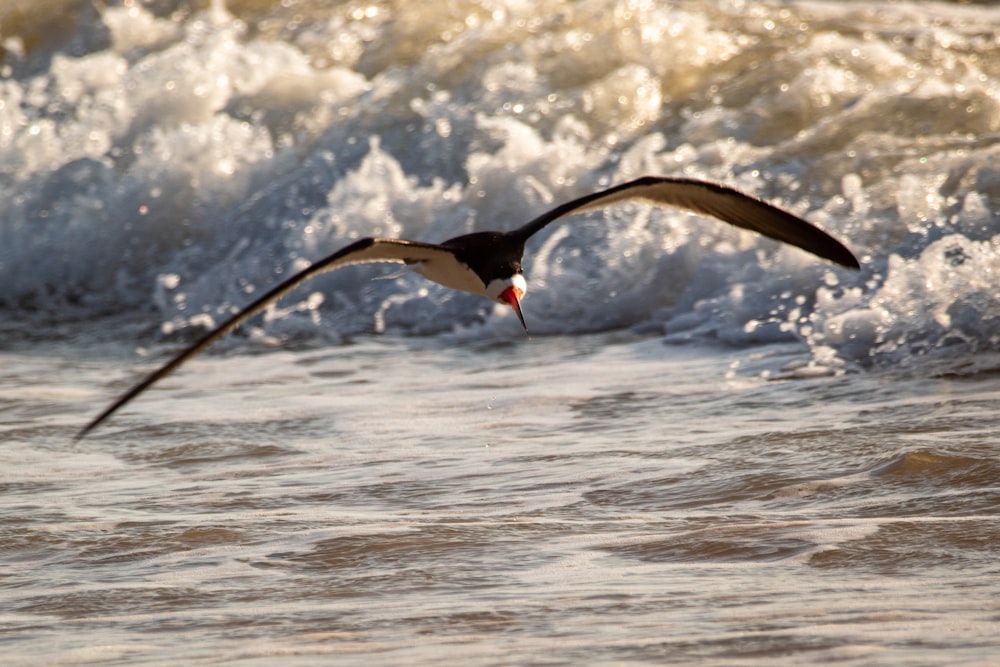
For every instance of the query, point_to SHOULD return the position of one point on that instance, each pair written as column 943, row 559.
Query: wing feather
column 366, row 250
column 710, row 199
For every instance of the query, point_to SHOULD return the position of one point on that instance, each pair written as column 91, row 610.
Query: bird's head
column 509, row 291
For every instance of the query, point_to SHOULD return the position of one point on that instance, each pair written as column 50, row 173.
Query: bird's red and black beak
column 512, row 297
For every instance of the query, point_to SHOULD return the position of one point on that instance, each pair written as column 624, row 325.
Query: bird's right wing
column 711, row 199
column 366, row 250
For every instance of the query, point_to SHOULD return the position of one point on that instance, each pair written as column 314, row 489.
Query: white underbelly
column 451, row 273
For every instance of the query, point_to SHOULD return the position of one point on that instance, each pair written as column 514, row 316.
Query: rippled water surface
column 712, row 450
column 554, row 501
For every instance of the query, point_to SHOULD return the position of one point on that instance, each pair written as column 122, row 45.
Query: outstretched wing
column 363, row 251
column 711, row 199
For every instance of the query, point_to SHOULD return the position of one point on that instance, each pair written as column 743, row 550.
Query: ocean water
column 712, row 450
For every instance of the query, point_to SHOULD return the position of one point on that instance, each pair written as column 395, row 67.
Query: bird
column 488, row 263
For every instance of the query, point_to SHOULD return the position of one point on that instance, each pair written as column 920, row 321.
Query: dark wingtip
column 82, row 433
column 845, row 258
column 94, row 423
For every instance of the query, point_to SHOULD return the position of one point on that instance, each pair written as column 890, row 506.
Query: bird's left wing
column 712, row 199
column 366, row 250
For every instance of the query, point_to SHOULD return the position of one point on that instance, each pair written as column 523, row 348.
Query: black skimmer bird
column 489, row 263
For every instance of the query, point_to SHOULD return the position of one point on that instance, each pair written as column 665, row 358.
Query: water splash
column 178, row 163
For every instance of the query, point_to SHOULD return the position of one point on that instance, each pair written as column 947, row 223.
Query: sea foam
column 179, row 164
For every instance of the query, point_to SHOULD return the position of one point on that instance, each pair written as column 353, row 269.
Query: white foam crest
column 183, row 163
column 941, row 302
column 135, row 28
